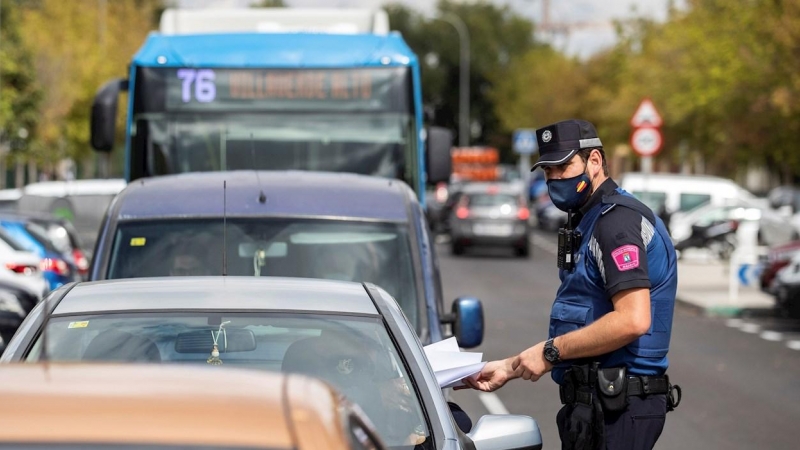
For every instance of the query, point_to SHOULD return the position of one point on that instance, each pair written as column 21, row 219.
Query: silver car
column 352, row 335
column 490, row 215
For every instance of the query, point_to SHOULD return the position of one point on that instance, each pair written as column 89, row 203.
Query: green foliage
column 77, row 46
column 724, row 75
column 19, row 93
column 497, row 36
column 269, row 4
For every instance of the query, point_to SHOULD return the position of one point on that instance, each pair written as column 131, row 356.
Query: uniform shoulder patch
column 626, row 257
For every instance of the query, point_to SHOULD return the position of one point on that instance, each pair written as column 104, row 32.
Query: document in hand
column 450, row 364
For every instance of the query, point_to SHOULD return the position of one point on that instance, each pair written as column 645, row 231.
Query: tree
column 77, row 46
column 270, row 4
column 498, row 36
column 20, row 94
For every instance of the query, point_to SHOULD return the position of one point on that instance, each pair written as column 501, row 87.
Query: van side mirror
column 104, row 114
column 438, row 161
column 506, row 432
column 466, row 320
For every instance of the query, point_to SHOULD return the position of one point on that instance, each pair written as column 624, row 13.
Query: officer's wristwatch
column 551, row 353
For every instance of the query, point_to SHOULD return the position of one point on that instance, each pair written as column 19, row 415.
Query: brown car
column 108, row 405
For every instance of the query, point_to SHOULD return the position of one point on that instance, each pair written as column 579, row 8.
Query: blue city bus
column 274, row 101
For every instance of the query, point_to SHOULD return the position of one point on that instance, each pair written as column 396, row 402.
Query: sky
column 591, row 20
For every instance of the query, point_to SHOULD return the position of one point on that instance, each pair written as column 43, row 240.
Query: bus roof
column 274, row 20
column 291, row 50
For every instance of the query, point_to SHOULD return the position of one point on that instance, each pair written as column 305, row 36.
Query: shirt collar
column 606, row 188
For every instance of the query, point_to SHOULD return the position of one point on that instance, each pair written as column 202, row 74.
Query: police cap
column 561, row 141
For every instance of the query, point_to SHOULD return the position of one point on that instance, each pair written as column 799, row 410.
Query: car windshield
column 354, row 354
column 378, row 253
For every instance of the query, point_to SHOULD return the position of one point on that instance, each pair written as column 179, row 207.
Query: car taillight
column 24, row 269
column 462, row 212
column 55, row 265
column 80, row 260
column 523, row 213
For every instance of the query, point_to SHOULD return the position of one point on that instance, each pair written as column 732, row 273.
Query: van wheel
column 457, row 249
column 523, row 251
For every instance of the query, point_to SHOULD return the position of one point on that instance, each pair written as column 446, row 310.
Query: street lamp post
column 463, row 77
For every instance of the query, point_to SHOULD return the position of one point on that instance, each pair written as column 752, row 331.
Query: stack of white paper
column 450, row 364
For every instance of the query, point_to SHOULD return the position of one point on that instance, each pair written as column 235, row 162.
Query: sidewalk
column 703, row 283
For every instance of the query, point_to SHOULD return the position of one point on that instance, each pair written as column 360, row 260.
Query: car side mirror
column 104, row 114
column 467, row 321
column 438, row 160
column 506, row 432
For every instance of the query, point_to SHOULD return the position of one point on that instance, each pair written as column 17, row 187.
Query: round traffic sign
column 646, row 141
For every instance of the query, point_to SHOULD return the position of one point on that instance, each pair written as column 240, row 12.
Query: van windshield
column 378, row 253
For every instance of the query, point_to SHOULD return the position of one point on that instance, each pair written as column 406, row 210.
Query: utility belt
column 612, row 387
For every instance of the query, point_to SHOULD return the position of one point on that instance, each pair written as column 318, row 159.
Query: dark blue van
column 297, row 224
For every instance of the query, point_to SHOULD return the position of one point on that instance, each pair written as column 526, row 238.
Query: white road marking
column 734, row 323
column 773, row 336
column 794, row 345
column 751, row 328
column 492, row 403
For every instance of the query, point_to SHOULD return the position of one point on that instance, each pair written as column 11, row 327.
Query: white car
column 773, row 228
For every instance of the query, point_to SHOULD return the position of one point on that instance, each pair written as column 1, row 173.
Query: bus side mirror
column 104, row 114
column 438, row 161
column 466, row 320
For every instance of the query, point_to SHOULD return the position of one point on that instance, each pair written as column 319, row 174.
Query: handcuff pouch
column 612, row 389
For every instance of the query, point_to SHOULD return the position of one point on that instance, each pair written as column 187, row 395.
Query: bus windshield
column 378, row 144
column 358, row 120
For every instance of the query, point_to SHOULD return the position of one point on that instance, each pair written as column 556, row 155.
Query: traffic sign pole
column 647, row 164
column 524, row 143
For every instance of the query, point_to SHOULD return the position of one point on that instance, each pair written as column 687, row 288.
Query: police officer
column 611, row 320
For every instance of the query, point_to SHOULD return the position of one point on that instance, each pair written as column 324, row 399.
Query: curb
column 724, row 311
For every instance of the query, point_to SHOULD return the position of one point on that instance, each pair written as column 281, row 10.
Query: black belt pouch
column 612, row 389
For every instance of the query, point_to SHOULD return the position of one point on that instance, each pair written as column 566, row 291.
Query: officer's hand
column 531, row 365
column 493, row 376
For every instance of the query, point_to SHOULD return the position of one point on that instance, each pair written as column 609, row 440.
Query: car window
column 378, row 253
column 655, row 200
column 492, row 200
column 691, row 201
column 354, row 354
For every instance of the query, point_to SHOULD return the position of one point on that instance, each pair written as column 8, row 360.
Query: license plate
column 492, row 229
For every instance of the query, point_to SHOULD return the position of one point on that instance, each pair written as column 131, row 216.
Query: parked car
column 17, row 260
column 18, row 296
column 787, row 288
column 172, row 407
column 352, row 335
column 81, row 202
column 674, row 193
column 773, row 228
column 298, row 224
column 491, row 214
column 58, row 268
column 776, row 259
column 62, row 234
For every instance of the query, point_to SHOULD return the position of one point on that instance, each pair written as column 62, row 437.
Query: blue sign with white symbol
column 524, row 141
column 749, row 274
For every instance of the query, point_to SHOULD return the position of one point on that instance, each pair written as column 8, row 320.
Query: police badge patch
column 626, row 257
